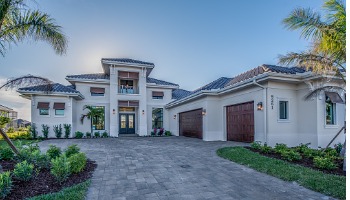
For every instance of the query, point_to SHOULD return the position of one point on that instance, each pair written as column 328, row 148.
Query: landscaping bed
column 44, row 182
column 306, row 162
column 32, row 173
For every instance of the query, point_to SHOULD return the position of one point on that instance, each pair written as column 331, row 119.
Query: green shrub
column 167, row 133
column 77, row 162
column 53, row 152
column 22, row 129
column 324, row 163
column 45, row 130
column 5, row 184
column 33, row 131
column 26, row 153
column 280, row 148
column 40, row 160
column 338, row 147
column 79, row 135
column 302, row 147
column 266, row 149
column 88, row 134
column 256, row 145
column 291, row 155
column 4, row 121
column 10, row 130
column 97, row 134
column 105, row 134
column 23, row 171
column 67, row 130
column 58, row 130
column 60, row 168
column 71, row 150
column 153, row 133
column 331, row 153
column 311, row 153
column 6, row 153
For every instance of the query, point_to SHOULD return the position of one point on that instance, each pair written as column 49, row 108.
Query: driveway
column 175, row 168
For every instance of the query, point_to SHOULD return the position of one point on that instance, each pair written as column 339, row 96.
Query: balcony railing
column 123, row 89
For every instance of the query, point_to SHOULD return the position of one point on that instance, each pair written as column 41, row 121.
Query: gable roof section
column 89, row 76
column 262, row 69
column 159, row 82
column 56, row 87
column 217, row 84
column 126, row 61
column 180, row 93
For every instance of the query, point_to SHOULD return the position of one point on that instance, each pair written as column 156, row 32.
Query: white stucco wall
column 51, row 119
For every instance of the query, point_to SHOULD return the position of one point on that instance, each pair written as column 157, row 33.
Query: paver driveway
column 175, row 168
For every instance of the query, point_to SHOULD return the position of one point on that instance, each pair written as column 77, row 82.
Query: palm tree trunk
column 9, row 142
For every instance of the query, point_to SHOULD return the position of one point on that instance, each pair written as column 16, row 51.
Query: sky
column 191, row 42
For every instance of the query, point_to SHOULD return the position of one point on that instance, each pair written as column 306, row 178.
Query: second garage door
column 191, row 123
column 240, row 122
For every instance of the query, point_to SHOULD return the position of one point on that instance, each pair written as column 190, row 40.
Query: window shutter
column 59, row 106
column 334, row 97
column 97, row 90
column 128, row 75
column 157, row 94
column 43, row 105
column 128, row 103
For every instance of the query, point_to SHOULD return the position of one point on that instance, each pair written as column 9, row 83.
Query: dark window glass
column 59, row 112
column 97, row 94
column 330, row 111
column 283, row 109
column 157, row 118
column 157, row 97
column 44, row 111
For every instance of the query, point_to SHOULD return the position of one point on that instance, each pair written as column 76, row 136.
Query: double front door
column 126, row 123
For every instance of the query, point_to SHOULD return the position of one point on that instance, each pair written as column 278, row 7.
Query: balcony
column 125, row 89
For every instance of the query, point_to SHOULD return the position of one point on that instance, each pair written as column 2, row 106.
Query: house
column 264, row 104
column 8, row 112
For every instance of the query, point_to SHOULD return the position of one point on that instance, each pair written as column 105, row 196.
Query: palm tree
column 18, row 22
column 94, row 112
column 328, row 35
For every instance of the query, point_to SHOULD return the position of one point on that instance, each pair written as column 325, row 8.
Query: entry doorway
column 126, row 123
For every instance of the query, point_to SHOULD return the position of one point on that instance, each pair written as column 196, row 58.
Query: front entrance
column 126, row 123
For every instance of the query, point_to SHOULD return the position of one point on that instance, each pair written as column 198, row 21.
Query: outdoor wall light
column 259, row 106
column 113, row 111
column 174, row 116
column 204, row 112
column 143, row 112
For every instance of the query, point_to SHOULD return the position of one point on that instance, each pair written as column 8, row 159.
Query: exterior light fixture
column 259, row 106
column 113, row 111
column 174, row 116
column 143, row 112
column 204, row 112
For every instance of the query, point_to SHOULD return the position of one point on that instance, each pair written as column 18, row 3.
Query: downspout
column 264, row 110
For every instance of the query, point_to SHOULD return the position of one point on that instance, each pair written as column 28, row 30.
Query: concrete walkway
column 175, row 168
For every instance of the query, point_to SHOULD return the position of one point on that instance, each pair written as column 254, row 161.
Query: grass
column 76, row 192
column 327, row 184
column 3, row 143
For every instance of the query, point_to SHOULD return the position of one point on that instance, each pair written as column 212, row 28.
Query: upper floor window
column 127, row 87
column 157, row 95
column 330, row 111
column 283, row 110
column 59, row 108
column 43, row 108
column 96, row 91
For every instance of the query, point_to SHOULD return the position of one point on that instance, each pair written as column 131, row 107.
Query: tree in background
column 328, row 36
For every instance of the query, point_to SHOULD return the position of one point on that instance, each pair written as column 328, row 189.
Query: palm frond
column 26, row 81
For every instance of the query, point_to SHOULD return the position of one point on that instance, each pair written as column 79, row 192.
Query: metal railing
column 124, row 89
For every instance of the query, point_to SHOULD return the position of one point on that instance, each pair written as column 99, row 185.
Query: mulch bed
column 44, row 182
column 306, row 162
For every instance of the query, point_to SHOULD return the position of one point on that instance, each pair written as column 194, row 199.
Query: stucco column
column 142, row 105
column 113, row 116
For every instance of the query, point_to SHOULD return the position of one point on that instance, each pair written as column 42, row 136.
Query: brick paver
column 175, row 168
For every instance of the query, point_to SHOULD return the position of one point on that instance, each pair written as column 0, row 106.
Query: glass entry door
column 126, row 123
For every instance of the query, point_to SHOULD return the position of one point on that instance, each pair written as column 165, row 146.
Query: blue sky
column 191, row 42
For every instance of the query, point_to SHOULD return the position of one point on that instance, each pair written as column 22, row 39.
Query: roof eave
column 73, row 80
column 74, row 95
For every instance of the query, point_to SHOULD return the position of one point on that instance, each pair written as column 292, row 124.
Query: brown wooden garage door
column 191, row 123
column 240, row 122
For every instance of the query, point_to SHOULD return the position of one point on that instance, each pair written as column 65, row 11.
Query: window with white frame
column 283, row 110
column 330, row 111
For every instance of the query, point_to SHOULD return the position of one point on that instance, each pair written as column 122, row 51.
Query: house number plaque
column 272, row 102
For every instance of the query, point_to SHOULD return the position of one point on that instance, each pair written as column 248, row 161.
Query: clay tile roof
column 180, row 93
column 56, row 87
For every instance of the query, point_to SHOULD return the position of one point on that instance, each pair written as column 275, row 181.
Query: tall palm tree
column 328, row 35
column 91, row 114
column 18, row 22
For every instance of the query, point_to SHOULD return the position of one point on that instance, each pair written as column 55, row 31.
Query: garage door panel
column 240, row 122
column 191, row 123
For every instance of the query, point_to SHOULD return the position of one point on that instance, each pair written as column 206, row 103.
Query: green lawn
column 327, row 184
column 76, row 192
column 17, row 141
